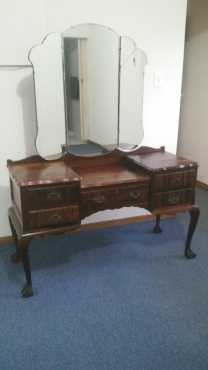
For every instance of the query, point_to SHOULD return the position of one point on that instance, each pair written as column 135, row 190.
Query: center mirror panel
column 91, row 75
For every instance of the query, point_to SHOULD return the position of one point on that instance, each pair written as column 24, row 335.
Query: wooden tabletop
column 161, row 161
column 109, row 175
column 54, row 172
column 42, row 173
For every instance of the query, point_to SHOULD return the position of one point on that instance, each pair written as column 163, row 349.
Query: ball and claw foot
column 27, row 291
column 15, row 258
column 189, row 253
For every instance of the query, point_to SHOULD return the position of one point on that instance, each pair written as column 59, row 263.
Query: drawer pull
column 173, row 199
column 100, row 199
column 178, row 180
column 55, row 218
column 134, row 195
column 54, row 195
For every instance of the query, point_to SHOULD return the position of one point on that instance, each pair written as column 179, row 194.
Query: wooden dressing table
column 50, row 197
column 89, row 109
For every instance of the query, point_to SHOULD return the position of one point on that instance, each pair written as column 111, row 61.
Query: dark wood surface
column 113, row 174
column 68, row 189
column 161, row 161
column 173, row 180
column 41, row 173
column 53, row 197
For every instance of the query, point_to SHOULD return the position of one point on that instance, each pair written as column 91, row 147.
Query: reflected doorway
column 75, row 81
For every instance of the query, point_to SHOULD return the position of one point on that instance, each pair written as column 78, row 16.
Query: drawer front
column 114, row 198
column 174, row 180
column 54, row 217
column 133, row 195
column 173, row 198
column 51, row 196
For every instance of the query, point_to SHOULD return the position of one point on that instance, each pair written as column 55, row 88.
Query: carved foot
column 15, row 257
column 27, row 291
column 189, row 253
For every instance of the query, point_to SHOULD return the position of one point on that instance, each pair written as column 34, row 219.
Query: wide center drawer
column 54, row 217
column 115, row 197
column 51, row 196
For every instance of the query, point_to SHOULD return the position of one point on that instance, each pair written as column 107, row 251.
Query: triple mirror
column 89, row 85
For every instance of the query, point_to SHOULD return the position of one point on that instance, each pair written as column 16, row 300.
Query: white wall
column 157, row 27
column 193, row 136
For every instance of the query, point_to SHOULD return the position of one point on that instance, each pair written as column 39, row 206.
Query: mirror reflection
column 133, row 61
column 89, row 91
column 91, row 67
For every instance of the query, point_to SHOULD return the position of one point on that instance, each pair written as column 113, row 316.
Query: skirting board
column 202, row 185
column 99, row 225
column 6, row 240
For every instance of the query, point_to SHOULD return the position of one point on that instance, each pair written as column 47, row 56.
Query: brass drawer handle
column 178, row 179
column 54, row 195
column 99, row 199
column 173, row 199
column 134, row 195
column 55, row 218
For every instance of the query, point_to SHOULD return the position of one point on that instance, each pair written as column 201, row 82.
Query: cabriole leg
column 157, row 229
column 16, row 256
column 194, row 216
column 27, row 290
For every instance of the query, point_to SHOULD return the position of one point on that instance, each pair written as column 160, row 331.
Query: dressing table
column 54, row 196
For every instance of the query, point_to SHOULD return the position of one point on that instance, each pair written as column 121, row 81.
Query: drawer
column 110, row 198
column 133, row 195
column 174, row 180
column 54, row 217
column 173, row 198
column 50, row 196
column 97, row 200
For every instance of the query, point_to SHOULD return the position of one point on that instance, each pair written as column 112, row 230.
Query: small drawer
column 51, row 196
column 133, row 195
column 98, row 199
column 54, row 217
column 173, row 198
column 174, row 180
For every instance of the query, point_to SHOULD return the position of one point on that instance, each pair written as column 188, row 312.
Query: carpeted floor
column 116, row 299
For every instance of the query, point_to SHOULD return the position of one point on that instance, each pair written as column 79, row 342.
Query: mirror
column 91, row 67
column 89, row 91
column 46, row 59
column 133, row 61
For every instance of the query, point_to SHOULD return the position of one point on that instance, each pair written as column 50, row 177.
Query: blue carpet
column 116, row 299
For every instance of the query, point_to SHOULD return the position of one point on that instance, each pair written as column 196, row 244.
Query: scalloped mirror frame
column 48, row 146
